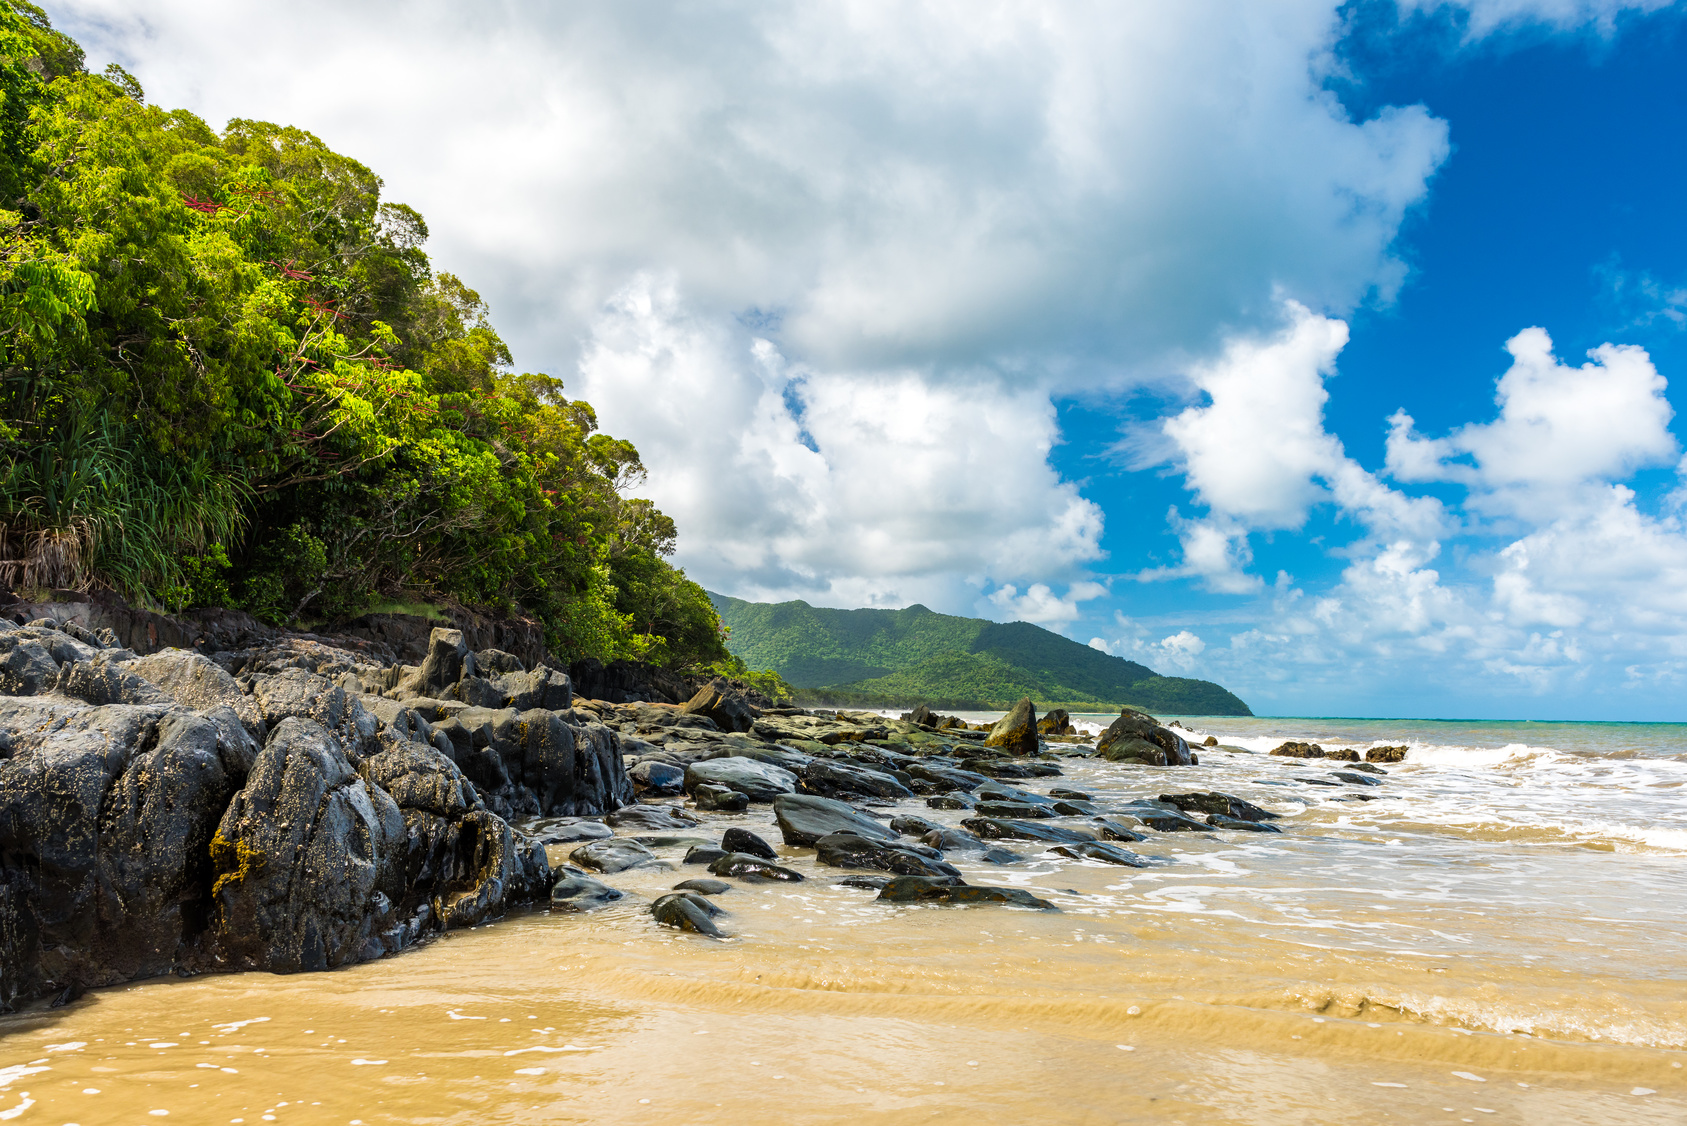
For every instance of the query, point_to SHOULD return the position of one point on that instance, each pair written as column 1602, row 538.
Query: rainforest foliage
column 229, row 375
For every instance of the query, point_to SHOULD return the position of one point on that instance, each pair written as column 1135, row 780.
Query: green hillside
column 900, row 657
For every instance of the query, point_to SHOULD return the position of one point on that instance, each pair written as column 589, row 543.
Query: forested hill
column 902, row 657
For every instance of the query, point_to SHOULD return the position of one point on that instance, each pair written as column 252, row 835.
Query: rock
column 1386, row 754
column 1016, row 732
column 448, row 657
column 1106, row 853
column 993, row 828
column 686, row 913
column 568, row 830
column 99, row 682
column 708, row 796
column 651, row 817
column 1317, row 781
column 846, row 850
column 495, row 663
column 1223, row 804
column 994, row 855
column 308, row 860
column 1014, row 809
column 668, row 840
column 27, row 668
column 1076, row 808
column 828, row 779
column 656, row 778
column 704, row 854
column 870, row 883
column 747, row 867
column 1056, row 722
column 196, row 682
column 954, row 800
column 910, row 826
column 546, row 689
column 943, row 838
column 1211, row 741
column 757, row 781
column 1060, row 792
column 925, row 889
column 727, row 709
column 804, row 820
column 921, row 715
column 1353, row 779
column 945, row 777
column 1367, row 768
column 704, row 887
column 1220, row 821
column 1292, row 749
column 616, row 855
column 996, row 768
column 1001, row 791
column 1135, row 737
column 1114, row 831
column 742, row 840
column 577, row 892
column 1164, row 818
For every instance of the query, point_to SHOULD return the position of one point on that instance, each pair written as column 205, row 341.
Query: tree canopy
column 230, row 375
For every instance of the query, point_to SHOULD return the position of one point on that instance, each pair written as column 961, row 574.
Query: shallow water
column 1496, row 938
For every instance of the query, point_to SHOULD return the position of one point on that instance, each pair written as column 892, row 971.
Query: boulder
column 194, row 681
column 757, row 781
column 1062, row 793
column 957, row 799
column 308, row 859
column 1106, row 853
column 657, row 778
column 719, row 798
column 1163, row 817
column 704, row 854
column 1135, row 737
column 704, row 887
column 567, row 830
column 1000, row 792
column 100, row 682
column 742, row 840
column 687, row 912
column 615, row 855
column 910, row 826
column 726, row 708
column 846, row 850
column 999, row 768
column 1386, row 754
column 1220, row 821
column 921, row 715
column 651, row 817
column 1016, row 732
column 1003, row 829
column 945, row 839
column 1353, row 779
column 746, row 867
column 1013, row 809
column 927, row 889
column 1224, row 804
column 828, row 779
column 543, row 688
column 804, row 820
column 576, row 892
column 447, row 660
column 1076, row 808
column 1115, row 831
column 1056, row 722
column 945, row 777
column 26, row 666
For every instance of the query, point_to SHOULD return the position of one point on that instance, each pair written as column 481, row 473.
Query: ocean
column 1494, row 933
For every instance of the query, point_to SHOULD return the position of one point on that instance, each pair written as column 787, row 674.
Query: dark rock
column 827, row 779
column 27, row 668
column 726, row 708
column 742, row 840
column 1069, row 795
column 945, row 777
column 495, row 663
column 1113, row 831
column 1135, row 737
column 846, row 850
column 910, row 826
column 1215, row 802
column 1353, row 779
column 670, row 840
column 544, row 688
column 577, row 892
column 1318, row 781
column 758, row 781
column 994, row 855
column 704, row 855
column 870, row 883
column 656, row 778
column 707, row 796
column 568, row 830
column 1210, row 741
column 194, row 681
column 921, row 715
column 1001, row 829
column 704, row 887
column 1367, row 768
column 615, row 855
column 804, row 820
column 686, row 913
column 1220, row 821
column 651, row 817
column 925, row 889
column 1076, row 808
column 447, row 659
column 100, row 682
column 1016, row 732
column 1386, row 754
column 747, row 867
column 623, row 682
column 1293, row 749
column 998, row 768
column 1106, row 853
column 1164, row 818
column 941, row 837
column 954, row 800
column 1000, row 791
column 1056, row 722
column 1013, row 809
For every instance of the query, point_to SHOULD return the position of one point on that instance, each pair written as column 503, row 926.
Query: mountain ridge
column 870, row 657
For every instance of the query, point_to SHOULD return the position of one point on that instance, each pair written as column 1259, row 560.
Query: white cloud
column 1488, row 16
column 1561, row 430
column 1040, row 604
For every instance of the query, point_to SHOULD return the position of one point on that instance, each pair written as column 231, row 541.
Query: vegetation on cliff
column 230, row 375
column 868, row 658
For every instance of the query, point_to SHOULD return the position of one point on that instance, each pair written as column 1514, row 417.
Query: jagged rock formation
column 285, row 806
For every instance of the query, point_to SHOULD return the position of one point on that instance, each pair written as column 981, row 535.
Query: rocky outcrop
column 1135, row 737
column 286, row 806
column 1016, row 732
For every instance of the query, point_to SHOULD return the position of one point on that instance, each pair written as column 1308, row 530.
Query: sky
column 1331, row 351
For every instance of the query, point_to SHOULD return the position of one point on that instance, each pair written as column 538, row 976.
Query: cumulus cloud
column 1040, row 604
column 1484, row 17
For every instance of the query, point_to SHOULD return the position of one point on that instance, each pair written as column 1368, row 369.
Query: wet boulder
column 1111, row 830
column 610, row 856
column 728, row 709
column 1007, row 829
column 1002, row 792
column 846, row 850
column 1056, row 722
column 828, row 779
column 746, row 867
column 1386, row 754
column 704, row 887
column 657, row 778
column 955, row 799
column 1002, row 768
column 803, row 820
column 1016, row 732
column 1226, row 805
column 709, row 797
column 757, row 781
column 651, row 817
column 1163, row 817
column 1135, row 737
column 911, row 826
column 1220, row 821
column 927, row 889
column 1014, row 809
column 1104, row 852
column 575, row 892
column 945, row 777
column 737, row 839
column 687, row 912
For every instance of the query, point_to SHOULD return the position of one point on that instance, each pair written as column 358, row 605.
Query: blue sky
column 1176, row 328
